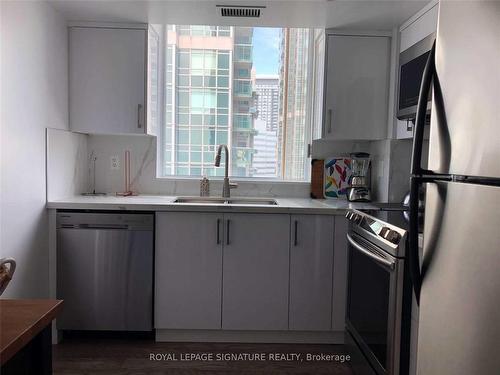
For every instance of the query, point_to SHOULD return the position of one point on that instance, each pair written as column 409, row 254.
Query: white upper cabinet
column 107, row 75
column 419, row 26
column 357, row 86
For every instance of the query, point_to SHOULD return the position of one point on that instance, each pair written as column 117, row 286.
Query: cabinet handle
column 330, row 115
column 296, row 224
column 139, row 109
column 227, row 232
column 218, row 231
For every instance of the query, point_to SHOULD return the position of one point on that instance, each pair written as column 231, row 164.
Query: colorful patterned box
column 338, row 174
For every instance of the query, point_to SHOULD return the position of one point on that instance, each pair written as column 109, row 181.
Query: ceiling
column 353, row 14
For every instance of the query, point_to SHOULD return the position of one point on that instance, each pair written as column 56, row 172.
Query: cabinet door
column 421, row 27
column 188, row 270
column 107, row 80
column 311, row 266
column 357, row 89
column 256, row 261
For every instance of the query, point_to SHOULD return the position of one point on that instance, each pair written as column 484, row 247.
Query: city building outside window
column 247, row 87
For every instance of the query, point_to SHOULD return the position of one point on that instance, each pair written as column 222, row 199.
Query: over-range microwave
column 411, row 68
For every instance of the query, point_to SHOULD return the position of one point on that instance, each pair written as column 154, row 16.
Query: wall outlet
column 115, row 162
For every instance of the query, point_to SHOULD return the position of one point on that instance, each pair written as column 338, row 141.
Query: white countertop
column 166, row 203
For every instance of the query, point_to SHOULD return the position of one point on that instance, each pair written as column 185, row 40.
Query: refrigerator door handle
column 418, row 131
column 417, row 171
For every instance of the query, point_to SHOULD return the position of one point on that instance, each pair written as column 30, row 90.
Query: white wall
column 34, row 90
column 68, row 168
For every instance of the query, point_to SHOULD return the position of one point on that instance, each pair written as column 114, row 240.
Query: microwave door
column 411, row 66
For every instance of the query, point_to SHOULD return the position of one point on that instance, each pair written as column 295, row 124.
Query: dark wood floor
column 118, row 356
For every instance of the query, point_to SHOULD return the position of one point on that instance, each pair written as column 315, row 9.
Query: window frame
column 162, row 128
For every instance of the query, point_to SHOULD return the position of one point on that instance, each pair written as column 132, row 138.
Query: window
column 228, row 85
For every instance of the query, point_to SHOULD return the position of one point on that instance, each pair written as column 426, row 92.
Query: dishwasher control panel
column 84, row 220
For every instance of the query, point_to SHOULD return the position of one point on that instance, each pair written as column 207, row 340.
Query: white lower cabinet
column 311, row 272
column 188, row 270
column 255, row 283
column 244, row 271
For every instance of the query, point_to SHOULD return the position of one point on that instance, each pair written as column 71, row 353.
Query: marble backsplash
column 70, row 168
column 143, row 162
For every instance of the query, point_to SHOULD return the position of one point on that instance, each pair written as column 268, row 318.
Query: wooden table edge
column 27, row 335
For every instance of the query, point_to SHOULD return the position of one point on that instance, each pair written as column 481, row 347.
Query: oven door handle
column 376, row 257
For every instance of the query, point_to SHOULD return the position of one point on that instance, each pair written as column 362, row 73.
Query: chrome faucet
column 227, row 186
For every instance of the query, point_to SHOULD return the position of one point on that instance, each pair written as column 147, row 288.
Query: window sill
column 259, row 181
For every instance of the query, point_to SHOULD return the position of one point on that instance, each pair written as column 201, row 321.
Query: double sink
column 228, row 201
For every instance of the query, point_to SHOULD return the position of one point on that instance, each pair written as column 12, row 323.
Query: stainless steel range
column 379, row 296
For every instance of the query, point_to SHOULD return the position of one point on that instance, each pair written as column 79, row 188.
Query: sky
column 266, row 55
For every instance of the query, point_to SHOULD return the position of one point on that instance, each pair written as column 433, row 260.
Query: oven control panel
column 375, row 226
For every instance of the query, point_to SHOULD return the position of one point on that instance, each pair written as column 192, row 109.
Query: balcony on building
column 243, row 88
column 243, row 54
column 242, row 122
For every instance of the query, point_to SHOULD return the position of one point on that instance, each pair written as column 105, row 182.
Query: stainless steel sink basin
column 253, row 201
column 229, row 201
column 201, row 200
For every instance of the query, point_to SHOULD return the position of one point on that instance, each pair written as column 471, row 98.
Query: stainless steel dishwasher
column 105, row 271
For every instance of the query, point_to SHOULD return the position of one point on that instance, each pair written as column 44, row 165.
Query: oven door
column 374, row 303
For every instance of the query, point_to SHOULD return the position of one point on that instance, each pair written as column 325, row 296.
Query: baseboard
column 277, row 337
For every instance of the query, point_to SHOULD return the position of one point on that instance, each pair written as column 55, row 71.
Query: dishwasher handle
column 103, row 226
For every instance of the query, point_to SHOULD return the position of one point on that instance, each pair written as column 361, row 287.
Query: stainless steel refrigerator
column 458, row 278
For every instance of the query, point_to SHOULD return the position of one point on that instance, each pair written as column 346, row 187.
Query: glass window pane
column 197, row 81
column 209, row 88
column 182, row 156
column 183, row 98
column 210, row 81
column 223, row 62
column 222, row 120
column 183, row 136
column 196, row 157
column 209, row 119
column 183, row 80
column 209, row 157
column 210, row 99
column 209, row 137
column 196, row 98
column 196, row 60
column 182, row 171
column 223, row 82
column 182, row 119
column 184, row 59
column 222, row 137
column 195, row 136
column 196, row 119
column 210, row 59
column 222, row 100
